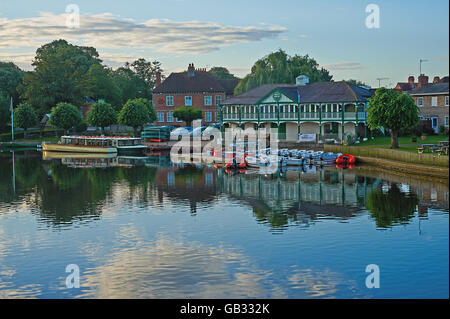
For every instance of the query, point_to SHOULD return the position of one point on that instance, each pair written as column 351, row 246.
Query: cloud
column 107, row 31
column 343, row 66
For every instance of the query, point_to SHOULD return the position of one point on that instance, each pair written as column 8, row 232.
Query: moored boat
column 95, row 144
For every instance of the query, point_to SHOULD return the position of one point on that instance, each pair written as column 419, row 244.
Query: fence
column 389, row 154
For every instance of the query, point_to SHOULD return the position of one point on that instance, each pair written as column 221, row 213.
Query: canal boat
column 96, row 144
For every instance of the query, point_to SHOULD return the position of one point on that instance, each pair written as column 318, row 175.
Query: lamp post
column 11, row 108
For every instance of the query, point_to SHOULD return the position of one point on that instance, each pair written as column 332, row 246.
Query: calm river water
column 145, row 228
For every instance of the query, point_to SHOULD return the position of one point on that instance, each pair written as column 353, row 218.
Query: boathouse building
column 325, row 111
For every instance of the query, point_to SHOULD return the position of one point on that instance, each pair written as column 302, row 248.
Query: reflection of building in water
column 187, row 183
column 117, row 161
column 324, row 187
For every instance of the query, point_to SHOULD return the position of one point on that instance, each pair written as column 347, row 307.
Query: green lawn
column 404, row 142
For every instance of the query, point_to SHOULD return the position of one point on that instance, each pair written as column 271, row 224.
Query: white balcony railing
column 284, row 116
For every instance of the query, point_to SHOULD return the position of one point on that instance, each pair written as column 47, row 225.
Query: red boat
column 345, row 159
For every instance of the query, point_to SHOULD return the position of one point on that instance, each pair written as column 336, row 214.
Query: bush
column 442, row 129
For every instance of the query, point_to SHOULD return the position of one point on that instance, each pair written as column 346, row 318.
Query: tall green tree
column 102, row 115
column 25, row 117
column 188, row 114
column 146, row 71
column 100, row 84
column 222, row 73
column 136, row 113
column 392, row 110
column 59, row 75
column 130, row 84
column 279, row 68
column 10, row 78
column 5, row 115
column 65, row 116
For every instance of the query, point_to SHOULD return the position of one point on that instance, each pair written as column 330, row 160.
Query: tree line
column 67, row 77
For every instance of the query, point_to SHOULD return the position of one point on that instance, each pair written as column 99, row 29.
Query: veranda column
column 342, row 116
column 320, row 121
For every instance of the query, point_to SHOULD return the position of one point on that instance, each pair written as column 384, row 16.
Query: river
column 148, row 228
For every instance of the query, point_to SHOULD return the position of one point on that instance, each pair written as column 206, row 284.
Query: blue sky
column 235, row 34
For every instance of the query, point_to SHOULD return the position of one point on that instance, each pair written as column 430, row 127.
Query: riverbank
column 431, row 165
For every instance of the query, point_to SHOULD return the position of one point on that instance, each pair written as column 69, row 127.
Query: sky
column 235, row 34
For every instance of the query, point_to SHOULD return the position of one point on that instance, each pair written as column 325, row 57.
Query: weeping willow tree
column 280, row 68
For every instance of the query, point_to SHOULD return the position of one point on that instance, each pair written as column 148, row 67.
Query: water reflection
column 146, row 228
column 391, row 206
column 64, row 188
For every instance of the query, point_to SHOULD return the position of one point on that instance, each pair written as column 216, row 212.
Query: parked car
column 179, row 132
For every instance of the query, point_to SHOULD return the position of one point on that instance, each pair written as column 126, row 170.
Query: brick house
column 194, row 87
column 433, row 102
column 405, row 87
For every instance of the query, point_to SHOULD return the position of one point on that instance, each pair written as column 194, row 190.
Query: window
column 208, row 116
column 446, row 121
column 178, row 120
column 188, row 100
column 217, row 100
column 434, row 101
column 160, row 116
column 170, row 117
column 216, row 116
column 169, row 100
column 208, row 100
column 420, row 101
column 446, row 100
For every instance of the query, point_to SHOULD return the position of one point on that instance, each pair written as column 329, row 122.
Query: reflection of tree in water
column 140, row 180
column 391, row 207
column 27, row 170
column 72, row 193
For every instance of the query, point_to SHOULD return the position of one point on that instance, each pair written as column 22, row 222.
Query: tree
column 392, row 110
column 10, row 78
column 59, row 76
column 5, row 114
column 279, row 68
column 25, row 117
column 147, row 71
column 136, row 113
column 221, row 73
column 187, row 114
column 100, row 84
column 65, row 116
column 130, row 84
column 102, row 114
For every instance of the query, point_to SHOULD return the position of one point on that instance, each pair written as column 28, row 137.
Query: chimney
column 191, row 69
column 423, row 80
column 436, row 79
column 158, row 79
column 411, row 80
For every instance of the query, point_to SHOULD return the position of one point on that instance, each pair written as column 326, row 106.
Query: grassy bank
column 389, row 154
column 404, row 142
